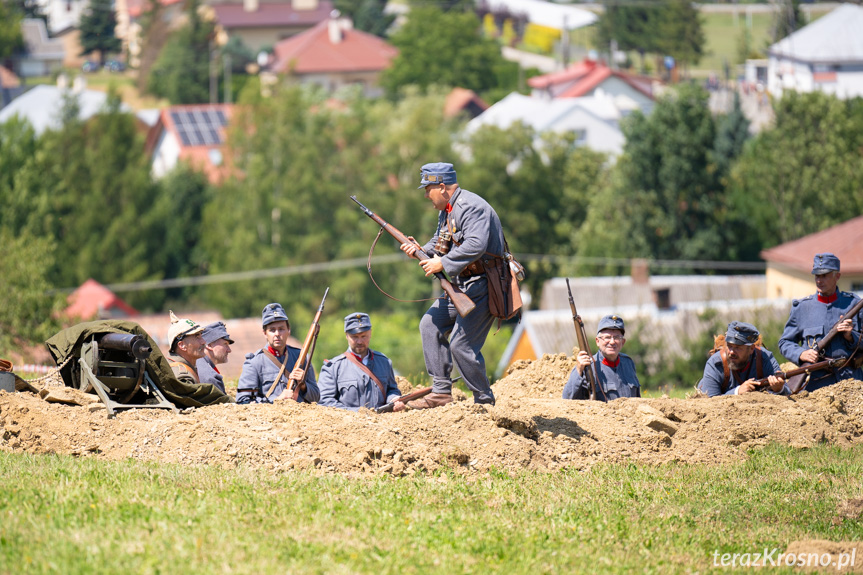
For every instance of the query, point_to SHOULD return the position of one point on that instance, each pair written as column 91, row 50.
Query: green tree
column 804, row 174
column 664, row 192
column 630, row 26
column 182, row 72
column 787, row 19
column 10, row 28
column 444, row 49
column 28, row 313
column 732, row 132
column 679, row 32
column 97, row 30
column 367, row 15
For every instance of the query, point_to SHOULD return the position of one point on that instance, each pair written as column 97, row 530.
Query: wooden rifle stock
column 308, row 349
column 404, row 399
column 798, row 381
column 583, row 345
column 462, row 303
column 825, row 341
column 804, row 370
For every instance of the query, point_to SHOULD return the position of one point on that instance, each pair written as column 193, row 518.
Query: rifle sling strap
column 352, row 358
column 280, row 365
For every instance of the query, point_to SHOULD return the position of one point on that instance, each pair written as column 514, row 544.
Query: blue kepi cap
column 825, row 263
column 357, row 323
column 273, row 312
column 611, row 322
column 741, row 333
column 437, row 173
column 216, row 331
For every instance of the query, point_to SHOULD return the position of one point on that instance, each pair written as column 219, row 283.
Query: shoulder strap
column 353, row 359
column 759, row 368
column 726, row 372
column 185, row 369
column 280, row 365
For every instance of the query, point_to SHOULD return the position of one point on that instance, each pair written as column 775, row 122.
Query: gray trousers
column 464, row 347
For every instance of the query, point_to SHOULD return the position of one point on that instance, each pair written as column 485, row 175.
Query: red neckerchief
column 613, row 364
column 829, row 298
column 448, row 207
column 273, row 351
column 359, row 359
column 217, row 369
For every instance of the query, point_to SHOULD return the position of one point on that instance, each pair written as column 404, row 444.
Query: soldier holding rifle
column 615, row 370
column 805, row 337
column 738, row 362
column 359, row 377
column 468, row 228
column 261, row 370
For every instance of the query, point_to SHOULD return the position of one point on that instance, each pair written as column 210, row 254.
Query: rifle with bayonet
column 388, row 408
column 803, row 371
column 583, row 345
column 799, row 381
column 295, row 386
column 462, row 303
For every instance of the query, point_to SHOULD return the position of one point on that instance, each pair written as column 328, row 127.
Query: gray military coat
column 259, row 372
column 343, row 384
column 809, row 321
column 615, row 382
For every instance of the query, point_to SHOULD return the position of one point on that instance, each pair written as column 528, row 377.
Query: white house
column 825, row 56
column 42, row 106
column 594, row 120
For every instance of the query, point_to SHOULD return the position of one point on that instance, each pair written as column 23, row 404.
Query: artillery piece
column 114, row 365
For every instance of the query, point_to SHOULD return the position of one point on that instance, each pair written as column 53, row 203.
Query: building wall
column 165, row 155
column 334, row 81
column 617, row 87
column 842, row 80
column 72, row 47
column 786, row 282
column 257, row 38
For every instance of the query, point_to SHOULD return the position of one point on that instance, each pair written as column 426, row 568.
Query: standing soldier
column 186, row 345
column 359, row 377
column 815, row 315
column 257, row 382
column 474, row 229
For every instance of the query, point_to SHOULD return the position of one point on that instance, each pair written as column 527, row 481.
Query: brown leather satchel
column 504, row 297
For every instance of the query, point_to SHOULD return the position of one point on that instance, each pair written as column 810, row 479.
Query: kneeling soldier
column 359, row 377
column 738, row 361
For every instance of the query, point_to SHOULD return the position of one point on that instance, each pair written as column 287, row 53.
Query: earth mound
column 531, row 427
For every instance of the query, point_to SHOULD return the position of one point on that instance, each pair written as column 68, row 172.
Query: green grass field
column 64, row 515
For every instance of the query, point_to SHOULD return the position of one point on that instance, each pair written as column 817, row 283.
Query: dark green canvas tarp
column 69, row 341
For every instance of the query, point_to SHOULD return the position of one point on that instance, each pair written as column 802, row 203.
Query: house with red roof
column 461, row 101
column 92, row 300
column 263, row 24
column 332, row 55
column 789, row 265
column 195, row 134
column 592, row 77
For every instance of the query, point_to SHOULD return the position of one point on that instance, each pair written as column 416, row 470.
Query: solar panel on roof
column 200, row 127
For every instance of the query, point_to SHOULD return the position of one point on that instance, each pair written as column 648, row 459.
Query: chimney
column 250, row 5
column 334, row 27
column 640, row 271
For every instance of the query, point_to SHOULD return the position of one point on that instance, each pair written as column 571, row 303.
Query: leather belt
column 475, row 268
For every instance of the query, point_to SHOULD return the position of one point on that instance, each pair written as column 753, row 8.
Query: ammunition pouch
column 473, row 269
